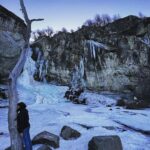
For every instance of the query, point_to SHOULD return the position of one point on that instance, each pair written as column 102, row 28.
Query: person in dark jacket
column 23, row 125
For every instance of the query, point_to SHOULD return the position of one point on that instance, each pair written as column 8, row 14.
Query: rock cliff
column 12, row 32
column 116, row 56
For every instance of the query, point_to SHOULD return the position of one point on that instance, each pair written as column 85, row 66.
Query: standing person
column 23, row 125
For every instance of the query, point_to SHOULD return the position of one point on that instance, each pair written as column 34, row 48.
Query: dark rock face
column 46, row 138
column 12, row 32
column 116, row 57
column 105, row 143
column 68, row 133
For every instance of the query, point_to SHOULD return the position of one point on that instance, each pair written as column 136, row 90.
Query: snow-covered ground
column 49, row 111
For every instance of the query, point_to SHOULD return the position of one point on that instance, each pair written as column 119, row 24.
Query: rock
column 68, row 133
column 67, row 94
column 78, row 92
column 124, row 25
column 105, row 143
column 137, row 105
column 79, row 101
column 86, row 126
column 8, row 148
column 114, row 128
column 3, row 94
column 118, row 108
column 108, row 106
column 120, row 64
column 73, row 95
column 46, row 138
column 11, row 41
column 121, row 102
column 44, row 147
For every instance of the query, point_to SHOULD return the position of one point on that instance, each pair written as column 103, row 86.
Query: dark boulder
column 105, row 143
column 69, row 92
column 121, row 102
column 137, row 105
column 68, row 133
column 46, row 138
column 79, row 101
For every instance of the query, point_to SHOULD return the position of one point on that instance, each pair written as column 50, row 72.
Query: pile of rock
column 73, row 96
column 49, row 140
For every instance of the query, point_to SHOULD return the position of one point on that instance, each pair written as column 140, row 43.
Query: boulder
column 121, row 102
column 44, row 147
column 105, row 143
column 137, row 105
column 46, row 138
column 68, row 133
column 79, row 101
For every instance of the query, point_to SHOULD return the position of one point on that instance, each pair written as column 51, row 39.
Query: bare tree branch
column 40, row 19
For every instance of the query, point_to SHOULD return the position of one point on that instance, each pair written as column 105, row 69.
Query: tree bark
column 16, row 142
column 15, row 139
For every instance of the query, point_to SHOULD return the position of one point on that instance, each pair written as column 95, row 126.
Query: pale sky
column 71, row 14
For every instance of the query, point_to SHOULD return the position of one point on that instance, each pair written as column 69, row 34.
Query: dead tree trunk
column 16, row 143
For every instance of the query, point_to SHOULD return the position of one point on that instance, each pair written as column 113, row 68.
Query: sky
column 71, row 14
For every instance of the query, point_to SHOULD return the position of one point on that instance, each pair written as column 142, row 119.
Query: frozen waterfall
column 32, row 91
column 26, row 78
column 78, row 80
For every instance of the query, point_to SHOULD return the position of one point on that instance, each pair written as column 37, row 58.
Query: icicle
column 46, row 66
column 94, row 55
column 93, row 45
column 39, row 56
column 82, row 67
column 41, row 68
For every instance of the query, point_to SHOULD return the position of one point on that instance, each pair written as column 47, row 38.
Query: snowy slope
column 49, row 111
column 52, row 116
